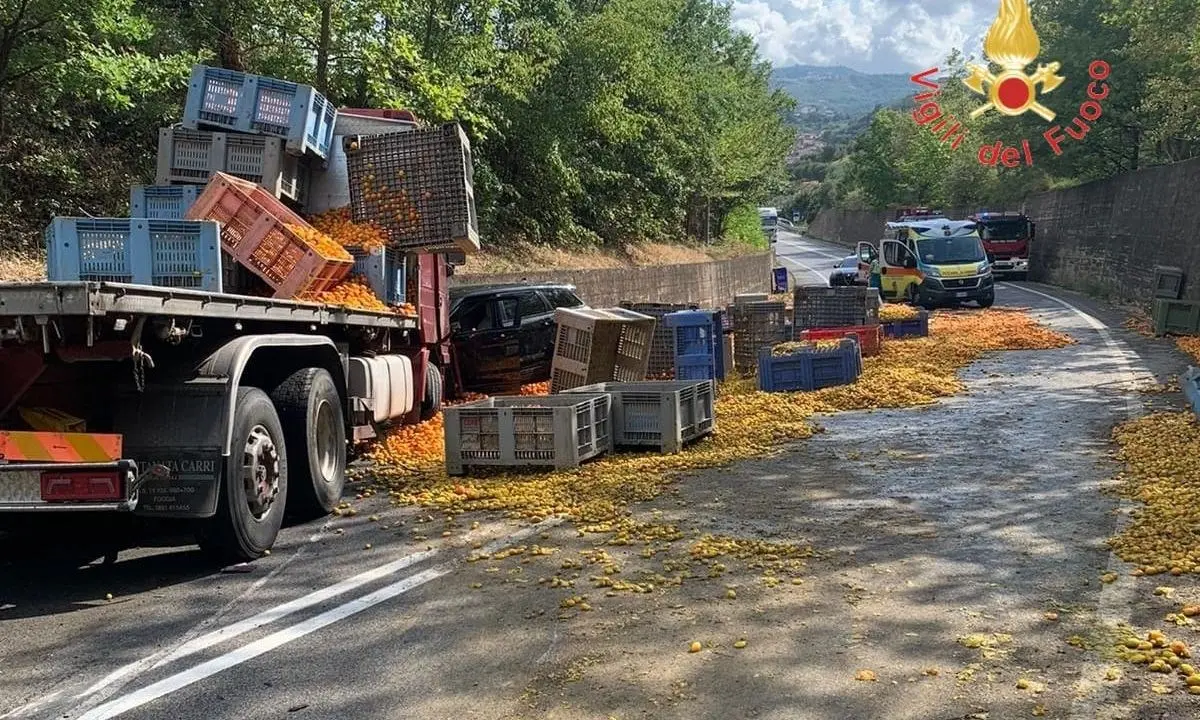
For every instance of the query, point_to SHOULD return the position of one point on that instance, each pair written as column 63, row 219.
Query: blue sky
column 875, row 36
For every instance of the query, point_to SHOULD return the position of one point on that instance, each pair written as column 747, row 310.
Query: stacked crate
column 661, row 365
column 756, row 325
column 697, row 347
column 820, row 313
column 599, row 345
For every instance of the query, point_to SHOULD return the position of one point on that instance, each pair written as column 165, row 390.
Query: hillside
column 837, row 92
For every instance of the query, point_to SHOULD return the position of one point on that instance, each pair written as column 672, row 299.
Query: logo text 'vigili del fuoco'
column 1012, row 44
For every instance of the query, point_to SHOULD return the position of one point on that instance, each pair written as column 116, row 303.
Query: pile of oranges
column 541, row 388
column 337, row 224
column 422, row 447
column 412, row 448
column 325, row 246
column 390, row 206
column 351, row 293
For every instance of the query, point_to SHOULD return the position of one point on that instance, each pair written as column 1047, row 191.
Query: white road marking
column 252, row 650
column 1116, row 598
column 824, row 279
column 805, row 244
column 266, row 617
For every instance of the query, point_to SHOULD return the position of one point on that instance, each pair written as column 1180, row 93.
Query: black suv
column 503, row 335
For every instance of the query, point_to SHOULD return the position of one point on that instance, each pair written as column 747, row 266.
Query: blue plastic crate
column 162, row 202
column 168, row 253
column 696, row 367
column 720, row 325
column 1189, row 382
column 232, row 100
column 918, row 327
column 384, row 271
column 810, row 369
column 696, row 336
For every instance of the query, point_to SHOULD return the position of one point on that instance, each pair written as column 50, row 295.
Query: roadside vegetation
column 593, row 124
column 1150, row 117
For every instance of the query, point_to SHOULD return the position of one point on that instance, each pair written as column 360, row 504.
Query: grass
column 22, row 266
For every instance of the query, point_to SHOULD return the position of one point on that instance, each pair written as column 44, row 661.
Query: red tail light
column 82, row 486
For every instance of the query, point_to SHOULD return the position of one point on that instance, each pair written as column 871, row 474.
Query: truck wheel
column 986, row 301
column 432, row 403
column 310, row 410
column 253, row 485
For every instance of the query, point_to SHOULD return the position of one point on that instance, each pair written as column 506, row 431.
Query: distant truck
column 769, row 218
column 1006, row 238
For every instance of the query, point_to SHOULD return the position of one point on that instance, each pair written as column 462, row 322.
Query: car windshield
column 951, row 250
column 850, row 262
column 1005, row 230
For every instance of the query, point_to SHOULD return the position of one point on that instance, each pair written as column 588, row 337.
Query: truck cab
column 769, row 219
column 932, row 263
column 1006, row 238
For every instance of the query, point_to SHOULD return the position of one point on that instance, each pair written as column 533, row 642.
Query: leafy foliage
column 1151, row 115
column 591, row 122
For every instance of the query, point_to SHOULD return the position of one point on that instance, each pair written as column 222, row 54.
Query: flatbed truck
column 218, row 410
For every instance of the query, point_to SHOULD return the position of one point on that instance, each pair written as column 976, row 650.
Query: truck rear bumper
column 58, row 487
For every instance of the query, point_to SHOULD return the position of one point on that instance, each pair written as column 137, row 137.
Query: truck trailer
column 221, row 409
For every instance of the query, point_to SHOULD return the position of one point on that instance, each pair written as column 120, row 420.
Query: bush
column 743, row 227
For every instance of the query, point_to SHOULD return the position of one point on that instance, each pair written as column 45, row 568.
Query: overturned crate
column 248, row 103
column 756, row 325
column 416, row 185
column 194, row 156
column 558, row 431
column 664, row 415
column 264, row 235
column 599, row 345
column 820, row 307
column 662, row 352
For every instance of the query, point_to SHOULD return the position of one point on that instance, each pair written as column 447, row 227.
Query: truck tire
column 248, row 518
column 310, row 409
column 432, row 403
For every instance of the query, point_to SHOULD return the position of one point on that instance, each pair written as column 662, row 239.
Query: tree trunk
column 323, row 43
column 229, row 46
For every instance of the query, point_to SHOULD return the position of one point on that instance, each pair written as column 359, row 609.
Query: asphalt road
column 976, row 515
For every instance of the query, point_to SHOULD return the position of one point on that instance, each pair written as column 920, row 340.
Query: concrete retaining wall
column 710, row 284
column 1103, row 238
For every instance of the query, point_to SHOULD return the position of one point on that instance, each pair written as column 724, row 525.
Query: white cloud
column 867, row 35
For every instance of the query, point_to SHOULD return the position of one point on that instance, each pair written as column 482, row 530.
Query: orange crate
column 870, row 337
column 255, row 232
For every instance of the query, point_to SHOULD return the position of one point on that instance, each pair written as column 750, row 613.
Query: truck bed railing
column 97, row 299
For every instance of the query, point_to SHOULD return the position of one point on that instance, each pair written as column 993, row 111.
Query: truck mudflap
column 65, row 487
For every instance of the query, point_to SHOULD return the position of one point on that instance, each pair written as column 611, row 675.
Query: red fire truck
column 1006, row 237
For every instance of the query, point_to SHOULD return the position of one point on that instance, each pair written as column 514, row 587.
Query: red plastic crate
column 870, row 337
column 255, row 232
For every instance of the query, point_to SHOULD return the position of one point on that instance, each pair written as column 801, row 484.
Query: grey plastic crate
column 192, row 156
column 1168, row 282
column 558, row 431
column 664, row 415
column 594, row 345
column 815, row 306
column 756, row 325
column 662, row 344
column 330, row 186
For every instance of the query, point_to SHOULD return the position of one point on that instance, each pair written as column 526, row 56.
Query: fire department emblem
column 1012, row 43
